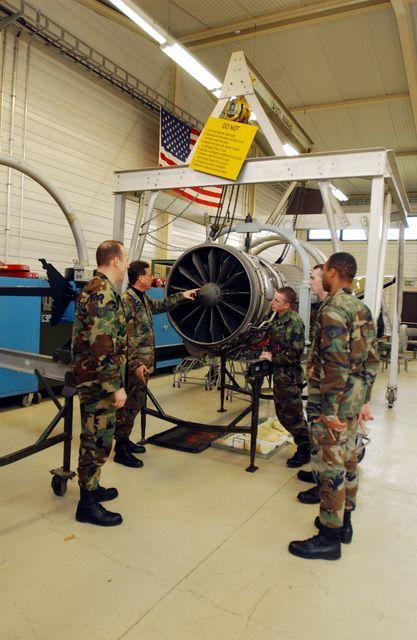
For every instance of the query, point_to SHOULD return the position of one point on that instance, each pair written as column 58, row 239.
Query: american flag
column 175, row 143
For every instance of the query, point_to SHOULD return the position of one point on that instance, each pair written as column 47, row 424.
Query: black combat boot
column 346, row 531
column 91, row 511
column 311, row 496
column 300, row 457
column 104, row 495
column 123, row 456
column 324, row 546
column 135, row 448
column 306, row 476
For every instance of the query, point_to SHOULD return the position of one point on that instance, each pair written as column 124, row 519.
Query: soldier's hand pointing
column 190, row 294
column 120, row 398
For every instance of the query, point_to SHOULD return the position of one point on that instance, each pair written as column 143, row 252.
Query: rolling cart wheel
column 27, row 399
column 37, row 397
column 59, row 485
column 390, row 398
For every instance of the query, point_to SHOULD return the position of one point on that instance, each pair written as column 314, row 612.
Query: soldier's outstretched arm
column 334, row 341
column 160, row 306
column 104, row 325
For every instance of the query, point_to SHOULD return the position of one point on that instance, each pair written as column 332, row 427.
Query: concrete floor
column 202, row 552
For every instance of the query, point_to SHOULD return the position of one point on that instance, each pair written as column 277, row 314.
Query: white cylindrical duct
column 60, row 199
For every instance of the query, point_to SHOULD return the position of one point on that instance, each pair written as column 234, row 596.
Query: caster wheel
column 37, row 397
column 59, row 485
column 27, row 399
column 391, row 397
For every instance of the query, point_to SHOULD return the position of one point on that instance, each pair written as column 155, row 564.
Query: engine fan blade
column 225, row 320
column 191, row 313
column 232, row 279
column 240, row 310
column 224, row 269
column 212, row 266
column 200, row 324
column 189, row 275
column 198, row 263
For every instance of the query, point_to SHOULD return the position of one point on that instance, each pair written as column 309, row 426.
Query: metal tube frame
column 378, row 164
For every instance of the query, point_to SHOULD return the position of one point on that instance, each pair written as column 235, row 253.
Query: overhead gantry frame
column 377, row 164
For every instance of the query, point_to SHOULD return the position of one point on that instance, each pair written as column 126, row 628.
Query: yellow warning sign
column 222, row 147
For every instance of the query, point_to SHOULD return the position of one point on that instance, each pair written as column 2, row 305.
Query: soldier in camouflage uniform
column 341, row 370
column 139, row 309
column 316, row 283
column 286, row 346
column 99, row 355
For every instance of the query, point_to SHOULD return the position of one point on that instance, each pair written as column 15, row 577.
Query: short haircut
column 317, row 266
column 289, row 295
column 136, row 268
column 344, row 263
column 107, row 251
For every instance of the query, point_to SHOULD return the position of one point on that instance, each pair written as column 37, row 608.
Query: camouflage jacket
column 99, row 336
column 286, row 343
column 343, row 360
column 141, row 339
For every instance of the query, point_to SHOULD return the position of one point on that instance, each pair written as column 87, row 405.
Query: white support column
column 396, row 321
column 145, row 224
column 374, row 242
column 330, row 214
column 137, row 226
column 119, row 216
column 382, row 254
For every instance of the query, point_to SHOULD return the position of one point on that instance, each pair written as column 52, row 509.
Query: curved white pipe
column 60, row 199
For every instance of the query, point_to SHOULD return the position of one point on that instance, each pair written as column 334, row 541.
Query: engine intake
column 235, row 295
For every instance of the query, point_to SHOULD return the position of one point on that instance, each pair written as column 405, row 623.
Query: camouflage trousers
column 335, row 466
column 125, row 417
column 98, row 417
column 289, row 409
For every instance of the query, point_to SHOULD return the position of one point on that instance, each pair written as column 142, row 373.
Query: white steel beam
column 354, row 102
column 291, row 19
column 314, row 166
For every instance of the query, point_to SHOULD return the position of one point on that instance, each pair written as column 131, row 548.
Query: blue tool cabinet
column 165, row 334
column 19, row 329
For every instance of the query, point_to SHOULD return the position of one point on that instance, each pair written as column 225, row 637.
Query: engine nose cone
column 209, row 295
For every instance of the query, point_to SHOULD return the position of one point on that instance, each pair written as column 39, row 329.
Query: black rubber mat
column 183, row 439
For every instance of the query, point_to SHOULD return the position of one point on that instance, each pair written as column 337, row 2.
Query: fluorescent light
column 181, row 56
column 290, row 150
column 338, row 193
column 132, row 11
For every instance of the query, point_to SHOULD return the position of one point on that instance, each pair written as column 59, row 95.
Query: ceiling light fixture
column 289, row 150
column 190, row 64
column 132, row 11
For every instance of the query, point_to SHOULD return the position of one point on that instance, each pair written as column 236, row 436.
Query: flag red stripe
column 204, row 192
column 208, row 203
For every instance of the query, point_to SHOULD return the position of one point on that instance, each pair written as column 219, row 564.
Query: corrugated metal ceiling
column 181, row 17
column 349, row 57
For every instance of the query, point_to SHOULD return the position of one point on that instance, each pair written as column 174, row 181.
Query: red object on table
column 158, row 282
column 17, row 271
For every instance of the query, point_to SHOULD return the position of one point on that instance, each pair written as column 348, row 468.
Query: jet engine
column 234, row 299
